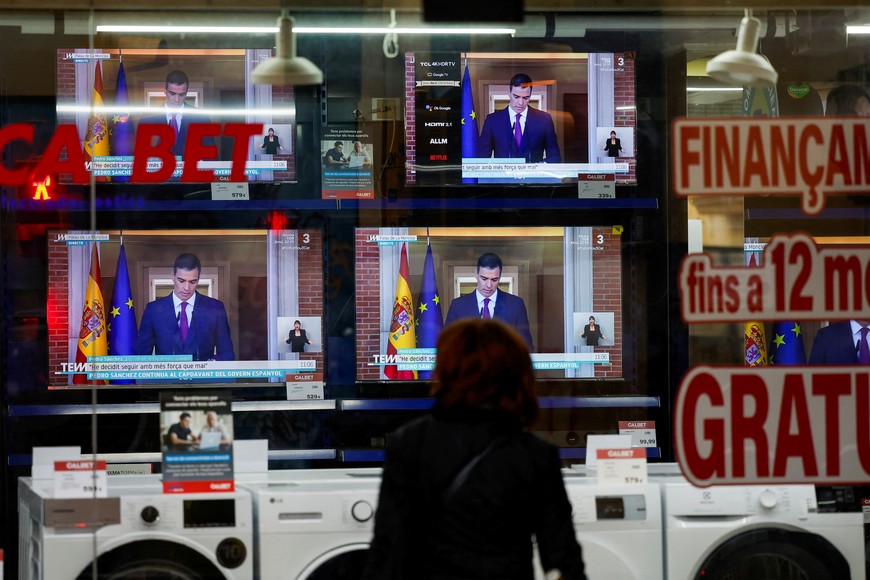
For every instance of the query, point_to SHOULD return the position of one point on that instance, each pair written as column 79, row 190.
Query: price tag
column 596, row 186
column 80, row 479
column 622, row 466
column 865, row 508
column 305, row 387
column 230, row 192
column 642, row 433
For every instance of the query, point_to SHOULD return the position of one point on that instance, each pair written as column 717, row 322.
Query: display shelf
column 26, row 459
column 377, row 455
column 138, row 408
column 543, row 402
column 580, row 453
column 503, row 203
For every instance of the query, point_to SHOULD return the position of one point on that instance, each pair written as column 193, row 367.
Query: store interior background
column 672, row 42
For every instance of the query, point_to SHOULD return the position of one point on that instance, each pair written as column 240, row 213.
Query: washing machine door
column 774, row 554
column 344, row 563
column 160, row 560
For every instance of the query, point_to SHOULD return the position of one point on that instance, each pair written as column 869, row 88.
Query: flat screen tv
column 110, row 94
column 113, row 320
column 578, row 116
column 410, row 280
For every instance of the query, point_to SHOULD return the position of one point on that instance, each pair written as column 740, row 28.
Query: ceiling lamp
column 285, row 68
column 743, row 66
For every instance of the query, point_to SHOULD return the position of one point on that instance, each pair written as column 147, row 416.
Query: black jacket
column 485, row 529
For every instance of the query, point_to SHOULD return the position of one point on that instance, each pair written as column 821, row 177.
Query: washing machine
column 136, row 532
column 757, row 531
column 314, row 526
column 619, row 527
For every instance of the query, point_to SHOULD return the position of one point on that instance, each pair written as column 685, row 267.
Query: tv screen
column 115, row 318
column 110, row 94
column 577, row 116
column 551, row 284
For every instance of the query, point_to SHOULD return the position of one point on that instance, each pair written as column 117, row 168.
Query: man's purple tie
column 863, row 348
column 485, row 312
column 518, row 131
column 182, row 322
column 174, row 122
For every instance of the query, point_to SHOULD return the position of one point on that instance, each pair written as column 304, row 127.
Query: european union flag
column 122, row 315
column 469, row 122
column 429, row 319
column 787, row 345
column 121, row 139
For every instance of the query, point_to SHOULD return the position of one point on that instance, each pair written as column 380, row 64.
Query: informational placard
column 129, row 469
column 642, row 433
column 230, row 191
column 304, row 386
column 774, row 425
column 596, row 185
column 347, row 163
column 622, row 466
column 74, row 479
column 809, row 157
column 609, row 441
column 196, row 435
column 44, row 459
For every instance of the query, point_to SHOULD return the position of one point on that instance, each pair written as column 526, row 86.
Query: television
column 110, row 94
column 562, row 275
column 253, row 286
column 459, row 131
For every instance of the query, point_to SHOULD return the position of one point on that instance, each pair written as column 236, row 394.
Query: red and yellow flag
column 754, row 345
column 97, row 136
column 92, row 335
column 402, row 333
column 754, row 340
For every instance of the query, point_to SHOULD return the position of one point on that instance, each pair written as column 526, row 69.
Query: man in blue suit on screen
column 519, row 130
column 186, row 322
column 176, row 112
column 490, row 302
column 842, row 343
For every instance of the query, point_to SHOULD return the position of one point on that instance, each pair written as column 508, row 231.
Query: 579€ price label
column 622, row 466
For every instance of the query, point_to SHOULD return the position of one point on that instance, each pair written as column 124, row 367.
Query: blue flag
column 787, row 345
column 121, row 317
column 469, row 122
column 429, row 319
column 121, row 138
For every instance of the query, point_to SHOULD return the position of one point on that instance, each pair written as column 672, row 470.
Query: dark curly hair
column 485, row 365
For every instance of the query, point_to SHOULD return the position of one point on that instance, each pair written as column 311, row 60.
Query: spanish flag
column 754, row 345
column 402, row 323
column 92, row 336
column 97, row 135
column 754, row 341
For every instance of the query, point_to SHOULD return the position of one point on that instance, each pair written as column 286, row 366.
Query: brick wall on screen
column 368, row 304
column 410, row 120
column 607, row 297
column 58, row 309
column 624, row 96
column 311, row 286
column 66, row 76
